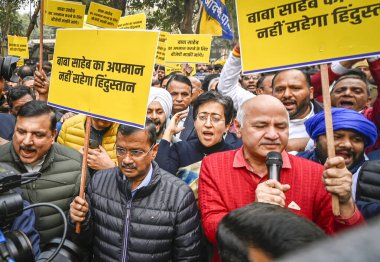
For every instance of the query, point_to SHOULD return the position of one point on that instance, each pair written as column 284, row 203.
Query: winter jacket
column 159, row 223
column 59, row 184
column 72, row 135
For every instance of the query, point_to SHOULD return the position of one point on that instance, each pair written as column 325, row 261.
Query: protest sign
column 64, row 14
column 103, row 16
column 278, row 34
column 161, row 48
column 18, row 46
column 188, row 48
column 133, row 22
column 100, row 73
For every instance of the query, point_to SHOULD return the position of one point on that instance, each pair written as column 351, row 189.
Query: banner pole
column 329, row 127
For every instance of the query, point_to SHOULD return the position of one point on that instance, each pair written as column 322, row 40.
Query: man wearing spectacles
column 249, row 82
column 137, row 211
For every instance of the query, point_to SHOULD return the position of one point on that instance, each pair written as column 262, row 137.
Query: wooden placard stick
column 42, row 12
column 84, row 165
column 329, row 127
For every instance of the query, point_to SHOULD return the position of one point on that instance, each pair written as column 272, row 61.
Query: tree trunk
column 33, row 21
column 121, row 5
column 187, row 22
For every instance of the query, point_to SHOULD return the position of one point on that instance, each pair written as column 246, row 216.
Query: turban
column 343, row 119
column 163, row 97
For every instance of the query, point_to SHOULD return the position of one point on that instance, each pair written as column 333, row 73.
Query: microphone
column 274, row 164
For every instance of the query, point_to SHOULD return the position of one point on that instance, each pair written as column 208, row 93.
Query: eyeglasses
column 135, row 153
column 253, row 77
column 214, row 119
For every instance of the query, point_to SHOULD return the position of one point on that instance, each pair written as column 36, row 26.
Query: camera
column 15, row 245
column 7, row 66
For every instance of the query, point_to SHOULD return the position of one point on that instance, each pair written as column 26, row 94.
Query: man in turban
column 159, row 109
column 353, row 132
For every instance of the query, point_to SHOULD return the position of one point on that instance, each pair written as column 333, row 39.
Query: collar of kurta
column 239, row 160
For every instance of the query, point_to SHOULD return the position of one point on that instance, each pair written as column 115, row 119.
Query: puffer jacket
column 72, row 135
column 160, row 223
column 59, row 184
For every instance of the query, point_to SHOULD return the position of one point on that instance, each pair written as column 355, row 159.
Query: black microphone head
column 274, row 158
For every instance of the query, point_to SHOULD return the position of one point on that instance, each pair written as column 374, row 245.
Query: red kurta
column 227, row 182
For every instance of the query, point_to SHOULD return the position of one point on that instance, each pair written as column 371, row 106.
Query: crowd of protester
column 193, row 185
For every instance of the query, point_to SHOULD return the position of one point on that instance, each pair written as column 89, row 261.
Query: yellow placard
column 278, row 34
column 64, row 14
column 161, row 49
column 112, row 85
column 137, row 21
column 18, row 46
column 188, row 48
column 20, row 63
column 103, row 16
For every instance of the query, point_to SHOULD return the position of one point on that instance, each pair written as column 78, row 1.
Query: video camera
column 15, row 245
column 7, row 66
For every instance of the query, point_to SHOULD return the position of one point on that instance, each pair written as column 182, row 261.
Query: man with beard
column 292, row 87
column 352, row 134
column 159, row 109
column 33, row 149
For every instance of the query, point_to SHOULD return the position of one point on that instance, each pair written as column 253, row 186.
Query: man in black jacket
column 137, row 211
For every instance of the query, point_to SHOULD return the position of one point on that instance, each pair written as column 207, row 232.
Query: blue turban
column 343, row 118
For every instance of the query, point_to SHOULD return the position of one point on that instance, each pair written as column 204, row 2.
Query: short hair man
column 232, row 179
column 352, row 134
column 261, row 230
column 292, row 87
column 179, row 87
column 137, row 210
column 249, row 82
column 160, row 71
column 33, row 149
column 351, row 91
column 102, row 132
column 17, row 97
column 264, row 85
column 159, row 109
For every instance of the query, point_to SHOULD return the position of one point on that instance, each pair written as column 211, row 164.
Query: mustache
column 129, row 166
column 157, row 122
column 27, row 148
column 270, row 143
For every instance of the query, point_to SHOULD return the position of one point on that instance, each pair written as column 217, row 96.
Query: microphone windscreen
column 273, row 158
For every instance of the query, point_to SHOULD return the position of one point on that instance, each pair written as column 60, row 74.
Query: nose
column 127, row 158
column 179, row 97
column 345, row 143
column 287, row 92
column 347, row 92
column 208, row 122
column 28, row 139
column 153, row 115
column 271, row 133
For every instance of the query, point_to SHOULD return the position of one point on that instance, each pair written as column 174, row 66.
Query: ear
column 154, row 151
column 311, row 89
column 53, row 135
column 238, row 128
column 369, row 100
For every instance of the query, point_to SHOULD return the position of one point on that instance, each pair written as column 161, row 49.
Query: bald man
column 232, row 179
column 196, row 88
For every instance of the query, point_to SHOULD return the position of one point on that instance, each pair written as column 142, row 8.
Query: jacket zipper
column 126, row 231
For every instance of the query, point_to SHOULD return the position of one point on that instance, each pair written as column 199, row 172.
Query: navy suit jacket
column 189, row 132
